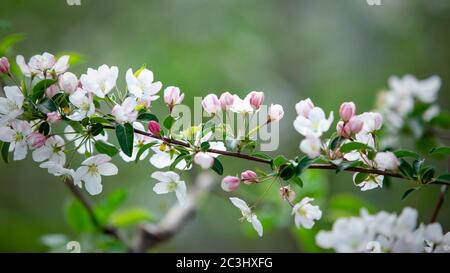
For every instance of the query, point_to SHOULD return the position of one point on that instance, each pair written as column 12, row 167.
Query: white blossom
column 45, row 64
column 52, row 150
column 247, row 214
column 101, row 81
column 11, row 105
column 386, row 161
column 139, row 140
column 142, row 85
column 83, row 144
column 311, row 146
column 164, row 156
column 84, row 105
column 315, row 124
column 305, row 214
column 371, row 182
column 170, row 182
column 91, row 171
column 16, row 135
column 126, row 112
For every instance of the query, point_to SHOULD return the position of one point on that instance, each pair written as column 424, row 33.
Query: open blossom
column 126, row 112
column 287, row 194
column 347, row 111
column 84, row 105
column 53, row 117
column 408, row 85
column 139, row 140
column 204, row 160
column 58, row 170
column 11, row 105
column 83, row 145
column 386, row 161
column 305, row 214
column 247, row 214
column 164, row 156
column 16, row 135
column 4, row 65
column 226, row 101
column 91, row 172
column 372, row 121
column 211, row 104
column 303, row 107
column 241, row 106
column 68, row 82
column 249, row 177
column 311, row 146
column 371, row 182
column 52, row 150
column 36, row 140
column 255, row 99
column 170, row 182
column 314, row 124
column 173, row 96
column 142, row 86
column 45, row 64
column 275, row 113
column 230, row 183
column 101, row 81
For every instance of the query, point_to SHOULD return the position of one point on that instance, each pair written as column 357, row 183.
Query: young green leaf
column 279, row 160
column 408, row 192
column 406, row 169
column 44, row 128
column 47, row 106
column 287, row 172
column 444, row 177
column 5, row 151
column 303, row 164
column 348, row 164
column 147, row 117
column 360, row 177
column 96, row 129
column 125, row 135
column 130, row 216
column 105, row 148
column 205, row 145
column 168, row 122
column 144, row 148
column 262, row 156
column 444, row 150
column 40, row 87
column 297, row 181
column 352, row 146
column 406, row 153
column 217, row 167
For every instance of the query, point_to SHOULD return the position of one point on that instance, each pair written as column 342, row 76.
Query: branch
column 150, row 235
column 442, row 194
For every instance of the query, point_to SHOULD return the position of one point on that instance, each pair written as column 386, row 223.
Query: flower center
column 301, row 211
column 19, row 137
column 172, row 186
column 93, row 169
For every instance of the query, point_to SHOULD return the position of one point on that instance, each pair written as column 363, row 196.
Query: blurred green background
column 330, row 51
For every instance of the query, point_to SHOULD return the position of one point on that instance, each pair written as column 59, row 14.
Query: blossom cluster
column 384, row 232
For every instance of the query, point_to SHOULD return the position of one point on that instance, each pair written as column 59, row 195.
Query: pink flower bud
column 173, row 96
column 68, row 82
column 249, row 177
column 275, row 113
column 211, row 104
column 355, row 124
column 256, row 99
column 230, row 183
column 347, row 111
column 52, row 90
column 53, row 117
column 4, row 65
column 226, row 100
column 303, row 107
column 343, row 129
column 287, row 194
column 378, row 121
column 154, row 127
column 36, row 140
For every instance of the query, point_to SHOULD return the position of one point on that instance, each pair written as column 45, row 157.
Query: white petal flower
column 386, row 161
column 427, row 90
column 315, row 124
column 170, row 182
column 58, row 170
column 371, row 182
column 164, row 156
column 101, row 81
column 84, row 105
column 126, row 112
column 305, row 214
column 241, row 106
column 142, row 85
column 139, row 140
column 43, row 65
column 83, row 144
column 247, row 214
column 53, row 151
column 372, row 121
column 91, row 171
column 11, row 105
column 16, row 135
column 311, row 146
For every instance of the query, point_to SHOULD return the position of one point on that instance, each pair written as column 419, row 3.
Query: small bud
column 226, row 101
column 303, row 107
column 36, row 140
column 287, row 194
column 386, row 161
column 68, row 82
column 53, row 117
column 343, row 129
column 173, row 96
column 249, row 177
column 230, row 183
column 204, row 160
column 275, row 113
column 4, row 65
column 347, row 111
column 154, row 127
column 211, row 104
column 378, row 121
column 355, row 124
column 256, row 99
column 52, row 90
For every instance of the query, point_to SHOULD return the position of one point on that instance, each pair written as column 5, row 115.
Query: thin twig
column 442, row 194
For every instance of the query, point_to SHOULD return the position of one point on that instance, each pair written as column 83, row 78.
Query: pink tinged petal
column 62, row 64
column 107, row 169
column 93, row 183
column 20, row 60
column 7, row 134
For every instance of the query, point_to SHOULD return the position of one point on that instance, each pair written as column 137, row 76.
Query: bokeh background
column 330, row 51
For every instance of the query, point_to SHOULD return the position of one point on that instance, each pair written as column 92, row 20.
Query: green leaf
column 217, row 167
column 129, row 217
column 406, row 169
column 77, row 217
column 360, row 177
column 96, row 129
column 5, row 151
column 100, row 120
column 287, row 172
column 204, row 146
column 303, row 164
column 125, row 135
column 408, row 192
column 47, row 106
column 40, row 87
column 297, row 181
column 178, row 159
column 279, row 160
column 334, row 142
column 109, row 205
column 406, row 153
column 168, row 122
column 44, row 128
column 262, row 156
column 9, row 41
column 444, row 177
column 106, row 148
column 427, row 173
column 144, row 148
column 147, row 117
column 444, row 150
column 346, row 165
column 352, row 146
